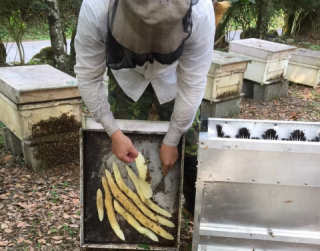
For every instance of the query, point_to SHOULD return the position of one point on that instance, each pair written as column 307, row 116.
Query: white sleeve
column 192, row 72
column 91, row 64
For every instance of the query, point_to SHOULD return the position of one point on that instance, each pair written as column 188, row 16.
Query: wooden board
column 266, row 71
column 225, row 76
column 307, row 57
column 261, row 49
column 36, row 83
column 226, row 58
column 303, row 74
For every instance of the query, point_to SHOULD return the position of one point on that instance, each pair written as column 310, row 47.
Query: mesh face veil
column 133, row 40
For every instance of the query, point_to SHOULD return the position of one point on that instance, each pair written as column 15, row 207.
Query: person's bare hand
column 168, row 156
column 123, row 148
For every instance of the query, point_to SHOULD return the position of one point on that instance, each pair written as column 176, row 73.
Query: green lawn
column 36, row 30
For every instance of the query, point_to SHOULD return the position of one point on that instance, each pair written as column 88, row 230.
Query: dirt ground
column 40, row 210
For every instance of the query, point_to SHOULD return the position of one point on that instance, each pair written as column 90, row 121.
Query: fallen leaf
column 3, row 243
column 20, row 240
column 22, row 225
column 6, row 159
column 4, row 196
column 42, row 241
column 66, row 216
column 75, row 201
column 28, row 242
column 57, row 238
column 8, row 230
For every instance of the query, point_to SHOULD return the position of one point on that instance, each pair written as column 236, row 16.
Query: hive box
column 29, row 94
column 258, row 193
column 269, row 60
column 225, row 77
column 96, row 155
column 304, row 67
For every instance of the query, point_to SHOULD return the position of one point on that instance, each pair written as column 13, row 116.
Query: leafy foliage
column 255, row 17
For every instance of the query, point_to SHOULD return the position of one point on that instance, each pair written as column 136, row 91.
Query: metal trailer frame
column 136, row 127
column 257, row 194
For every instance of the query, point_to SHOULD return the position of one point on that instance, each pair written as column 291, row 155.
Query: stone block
column 29, row 156
column 11, row 142
column 268, row 92
column 223, row 109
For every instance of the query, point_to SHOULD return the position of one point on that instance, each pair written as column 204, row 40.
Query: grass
column 36, row 30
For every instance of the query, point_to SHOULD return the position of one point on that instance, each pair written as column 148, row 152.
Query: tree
column 3, row 53
column 57, row 35
column 302, row 17
column 17, row 27
column 264, row 10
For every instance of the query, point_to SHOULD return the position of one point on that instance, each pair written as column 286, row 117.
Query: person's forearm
column 94, row 95
column 192, row 73
column 186, row 106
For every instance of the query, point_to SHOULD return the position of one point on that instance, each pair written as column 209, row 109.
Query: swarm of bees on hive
column 136, row 208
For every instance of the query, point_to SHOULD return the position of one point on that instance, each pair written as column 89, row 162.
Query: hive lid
column 305, row 56
column 259, row 48
column 227, row 58
column 36, row 83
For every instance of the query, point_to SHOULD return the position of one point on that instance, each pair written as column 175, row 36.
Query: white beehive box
column 225, row 77
column 304, row 67
column 269, row 59
column 29, row 94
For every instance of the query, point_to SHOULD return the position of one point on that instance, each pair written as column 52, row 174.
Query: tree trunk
column 56, row 35
column 72, row 60
column 308, row 25
column 3, row 53
column 221, row 30
column 264, row 9
column 288, row 24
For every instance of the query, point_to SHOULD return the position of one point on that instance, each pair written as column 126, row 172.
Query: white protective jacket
column 184, row 80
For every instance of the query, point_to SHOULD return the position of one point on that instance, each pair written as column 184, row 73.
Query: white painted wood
column 304, row 67
column 20, row 118
column 306, row 57
column 266, row 71
column 36, row 83
column 225, row 77
column 303, row 74
column 269, row 60
column 261, row 49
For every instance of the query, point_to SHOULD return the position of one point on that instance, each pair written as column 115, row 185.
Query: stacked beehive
column 265, row 74
column 31, row 99
column 224, row 85
column 304, row 67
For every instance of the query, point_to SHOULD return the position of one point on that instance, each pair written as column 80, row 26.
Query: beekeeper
column 158, row 53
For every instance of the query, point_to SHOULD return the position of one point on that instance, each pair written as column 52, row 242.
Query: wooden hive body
column 30, row 94
column 304, row 67
column 225, row 77
column 269, row 59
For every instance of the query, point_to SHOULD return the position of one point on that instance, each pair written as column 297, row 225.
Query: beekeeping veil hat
column 145, row 27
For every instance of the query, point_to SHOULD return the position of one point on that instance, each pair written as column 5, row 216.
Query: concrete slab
column 11, row 142
column 268, row 92
column 224, row 109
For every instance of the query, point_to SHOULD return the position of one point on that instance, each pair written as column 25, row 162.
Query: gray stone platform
column 268, row 92
column 223, row 109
